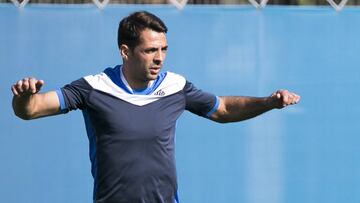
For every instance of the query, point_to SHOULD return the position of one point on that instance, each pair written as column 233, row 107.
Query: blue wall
column 305, row 153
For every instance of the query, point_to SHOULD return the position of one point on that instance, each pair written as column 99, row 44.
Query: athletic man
column 130, row 112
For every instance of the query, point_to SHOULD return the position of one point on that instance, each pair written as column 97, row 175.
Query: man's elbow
column 222, row 121
column 220, row 117
column 23, row 112
column 221, row 114
column 225, row 117
column 24, row 115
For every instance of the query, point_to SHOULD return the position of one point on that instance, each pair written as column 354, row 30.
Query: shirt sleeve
column 199, row 102
column 73, row 96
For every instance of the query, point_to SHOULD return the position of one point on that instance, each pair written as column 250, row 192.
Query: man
column 130, row 112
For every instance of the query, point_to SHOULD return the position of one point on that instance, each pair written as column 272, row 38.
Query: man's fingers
column 291, row 98
column 15, row 92
column 38, row 85
column 294, row 99
column 285, row 98
column 27, row 86
column 35, row 85
column 32, row 85
column 18, row 86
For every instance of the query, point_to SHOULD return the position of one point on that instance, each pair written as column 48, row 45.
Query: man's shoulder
column 108, row 73
column 174, row 76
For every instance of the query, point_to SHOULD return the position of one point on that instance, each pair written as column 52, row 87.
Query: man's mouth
column 155, row 70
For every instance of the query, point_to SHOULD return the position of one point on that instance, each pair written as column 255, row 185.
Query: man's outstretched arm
column 28, row 103
column 238, row 108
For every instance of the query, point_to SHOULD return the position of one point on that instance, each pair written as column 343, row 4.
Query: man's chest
column 112, row 116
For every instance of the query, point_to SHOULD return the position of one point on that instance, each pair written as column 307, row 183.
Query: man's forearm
column 238, row 108
column 36, row 105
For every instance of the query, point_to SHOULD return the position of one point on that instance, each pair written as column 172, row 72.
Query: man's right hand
column 29, row 104
column 27, row 86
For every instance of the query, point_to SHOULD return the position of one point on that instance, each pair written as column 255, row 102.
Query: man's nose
column 159, row 57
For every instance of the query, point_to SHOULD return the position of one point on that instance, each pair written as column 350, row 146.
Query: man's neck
column 134, row 83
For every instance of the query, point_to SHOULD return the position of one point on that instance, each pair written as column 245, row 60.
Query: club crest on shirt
column 160, row 93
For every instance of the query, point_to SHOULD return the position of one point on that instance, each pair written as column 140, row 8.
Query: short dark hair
column 131, row 26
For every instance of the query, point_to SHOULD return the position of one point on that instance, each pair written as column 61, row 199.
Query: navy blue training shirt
column 131, row 133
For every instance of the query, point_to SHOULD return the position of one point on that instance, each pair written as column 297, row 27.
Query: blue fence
column 305, row 153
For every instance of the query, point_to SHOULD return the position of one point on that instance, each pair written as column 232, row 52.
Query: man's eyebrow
column 154, row 48
column 151, row 49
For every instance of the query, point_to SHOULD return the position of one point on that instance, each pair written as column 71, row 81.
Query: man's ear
column 124, row 51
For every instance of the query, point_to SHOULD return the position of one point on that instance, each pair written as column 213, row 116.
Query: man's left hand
column 283, row 98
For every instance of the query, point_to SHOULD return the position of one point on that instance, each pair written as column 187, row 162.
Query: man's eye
column 150, row 51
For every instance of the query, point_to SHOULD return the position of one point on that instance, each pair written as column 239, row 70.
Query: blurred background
column 307, row 153
column 196, row 2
